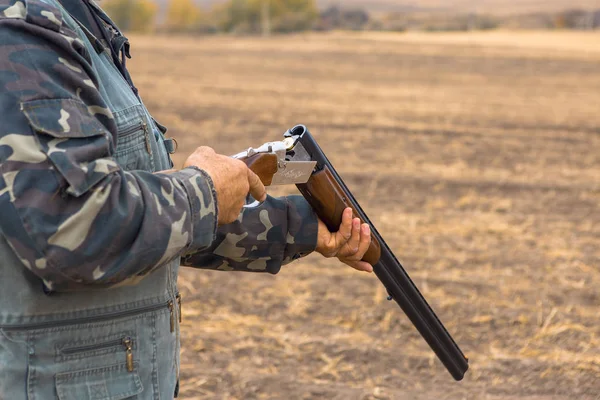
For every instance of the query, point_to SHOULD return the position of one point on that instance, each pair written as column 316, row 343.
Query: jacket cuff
column 302, row 229
column 203, row 205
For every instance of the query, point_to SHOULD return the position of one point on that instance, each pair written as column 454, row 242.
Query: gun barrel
column 393, row 276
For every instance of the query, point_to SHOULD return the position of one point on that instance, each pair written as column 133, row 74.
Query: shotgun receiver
column 298, row 159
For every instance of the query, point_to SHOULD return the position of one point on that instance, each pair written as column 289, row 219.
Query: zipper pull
column 147, row 137
column 179, row 305
column 172, row 316
column 128, row 343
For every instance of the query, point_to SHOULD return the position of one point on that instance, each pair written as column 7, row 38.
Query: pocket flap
column 62, row 118
column 107, row 383
column 77, row 144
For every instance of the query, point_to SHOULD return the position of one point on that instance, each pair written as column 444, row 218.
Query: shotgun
column 299, row 160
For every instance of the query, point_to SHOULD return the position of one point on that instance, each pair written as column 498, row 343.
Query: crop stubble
column 479, row 162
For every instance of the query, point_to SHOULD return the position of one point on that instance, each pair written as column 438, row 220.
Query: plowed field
column 478, row 160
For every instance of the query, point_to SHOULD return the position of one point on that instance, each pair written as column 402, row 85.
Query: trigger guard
column 254, row 204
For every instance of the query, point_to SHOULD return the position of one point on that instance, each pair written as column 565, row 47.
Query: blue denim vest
column 104, row 344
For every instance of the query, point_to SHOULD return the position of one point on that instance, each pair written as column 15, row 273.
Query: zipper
column 98, row 318
column 147, row 137
column 172, row 311
column 126, row 342
column 132, row 129
column 90, row 347
column 178, row 297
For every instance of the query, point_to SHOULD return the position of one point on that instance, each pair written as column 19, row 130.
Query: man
column 92, row 234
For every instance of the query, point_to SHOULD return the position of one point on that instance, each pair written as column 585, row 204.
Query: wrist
column 204, row 211
column 303, row 233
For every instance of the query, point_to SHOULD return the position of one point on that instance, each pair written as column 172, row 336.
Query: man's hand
column 233, row 181
column 349, row 243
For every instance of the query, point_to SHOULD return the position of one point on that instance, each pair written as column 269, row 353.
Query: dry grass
column 526, row 44
column 478, row 158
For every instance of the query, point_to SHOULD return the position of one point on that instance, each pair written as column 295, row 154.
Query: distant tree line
column 283, row 16
column 233, row 16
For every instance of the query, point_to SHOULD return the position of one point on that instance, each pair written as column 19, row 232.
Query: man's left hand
column 349, row 244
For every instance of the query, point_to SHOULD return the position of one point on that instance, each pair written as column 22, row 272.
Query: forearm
column 263, row 239
column 124, row 225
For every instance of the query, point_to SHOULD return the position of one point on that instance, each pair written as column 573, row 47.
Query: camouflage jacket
column 71, row 213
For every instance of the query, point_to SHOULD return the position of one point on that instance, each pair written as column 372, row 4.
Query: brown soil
column 478, row 162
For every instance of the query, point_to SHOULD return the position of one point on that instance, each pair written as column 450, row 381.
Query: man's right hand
column 232, row 179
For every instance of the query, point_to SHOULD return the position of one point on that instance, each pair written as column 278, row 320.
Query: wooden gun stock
column 322, row 192
column 329, row 202
column 264, row 165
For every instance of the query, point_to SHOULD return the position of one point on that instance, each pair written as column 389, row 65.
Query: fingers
column 350, row 247
column 349, row 244
column 345, row 232
column 232, row 181
column 329, row 243
column 356, row 247
column 257, row 189
column 365, row 240
column 363, row 245
column 352, row 244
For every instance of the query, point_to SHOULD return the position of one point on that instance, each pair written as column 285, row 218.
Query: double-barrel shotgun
column 298, row 159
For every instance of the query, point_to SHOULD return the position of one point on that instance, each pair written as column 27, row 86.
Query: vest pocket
column 134, row 139
column 95, row 357
column 76, row 143
column 107, row 383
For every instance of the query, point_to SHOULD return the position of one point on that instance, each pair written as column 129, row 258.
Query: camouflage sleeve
column 262, row 239
column 68, row 211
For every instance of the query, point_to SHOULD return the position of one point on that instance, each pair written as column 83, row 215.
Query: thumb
column 257, row 189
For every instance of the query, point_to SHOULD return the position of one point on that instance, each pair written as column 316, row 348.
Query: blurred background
column 470, row 133
column 284, row 16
